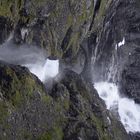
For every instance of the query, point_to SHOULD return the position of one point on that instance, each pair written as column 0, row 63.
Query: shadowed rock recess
column 93, row 40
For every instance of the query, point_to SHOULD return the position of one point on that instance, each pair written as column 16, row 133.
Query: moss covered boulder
column 26, row 110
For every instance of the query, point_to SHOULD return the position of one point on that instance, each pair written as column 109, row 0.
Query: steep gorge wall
column 70, row 31
column 116, row 47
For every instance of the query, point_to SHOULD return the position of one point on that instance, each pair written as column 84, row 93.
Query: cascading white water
column 44, row 70
column 31, row 57
column 128, row 110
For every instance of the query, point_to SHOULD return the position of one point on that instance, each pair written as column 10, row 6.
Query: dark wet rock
column 76, row 64
column 87, row 117
column 116, row 47
column 135, row 136
column 130, row 83
column 5, row 28
column 82, row 62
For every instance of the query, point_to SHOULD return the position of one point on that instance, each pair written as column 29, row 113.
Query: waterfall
column 128, row 110
column 44, row 70
column 32, row 57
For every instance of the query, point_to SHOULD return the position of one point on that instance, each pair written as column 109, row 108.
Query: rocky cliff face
column 70, row 110
column 57, row 26
column 116, row 49
column 85, row 36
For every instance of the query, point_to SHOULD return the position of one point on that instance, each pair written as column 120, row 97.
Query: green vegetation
column 47, row 99
column 17, row 87
column 11, row 8
column 98, row 122
column 101, row 14
column 26, row 135
column 55, row 134
column 3, row 111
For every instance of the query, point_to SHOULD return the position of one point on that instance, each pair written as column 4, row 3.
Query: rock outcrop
column 71, row 110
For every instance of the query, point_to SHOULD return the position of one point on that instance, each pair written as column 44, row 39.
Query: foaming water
column 44, row 70
column 128, row 110
column 109, row 93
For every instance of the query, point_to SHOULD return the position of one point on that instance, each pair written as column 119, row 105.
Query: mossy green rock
column 70, row 110
column 26, row 110
column 48, row 23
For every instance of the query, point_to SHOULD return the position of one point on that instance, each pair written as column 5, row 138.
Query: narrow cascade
column 128, row 110
column 44, row 70
column 31, row 57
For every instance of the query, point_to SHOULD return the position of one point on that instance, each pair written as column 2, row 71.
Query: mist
column 23, row 54
column 32, row 57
